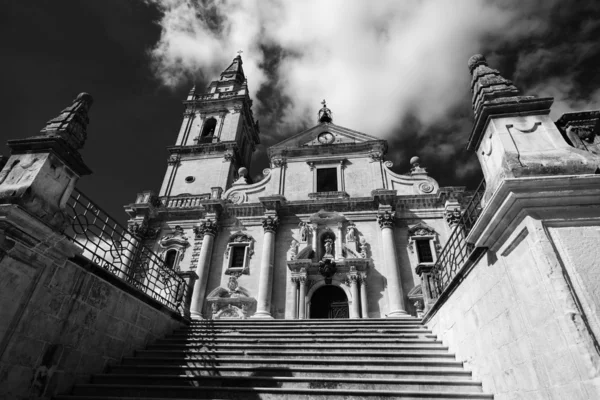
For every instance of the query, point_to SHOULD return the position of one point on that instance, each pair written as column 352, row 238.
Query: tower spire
column 495, row 95
column 234, row 72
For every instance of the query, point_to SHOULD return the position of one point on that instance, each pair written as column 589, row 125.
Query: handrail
column 110, row 245
column 457, row 250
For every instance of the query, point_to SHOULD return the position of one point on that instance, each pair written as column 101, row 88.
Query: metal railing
column 113, row 247
column 457, row 251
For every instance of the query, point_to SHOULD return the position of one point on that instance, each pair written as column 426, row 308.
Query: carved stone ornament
column 364, row 248
column 270, row 224
column 241, row 238
column 208, row 227
column 385, row 220
column 327, row 268
column 176, row 238
column 376, row 156
column 585, row 133
column 277, row 162
column 174, row 159
column 229, row 155
column 453, row 216
column 143, row 231
column 294, row 249
column 421, row 229
column 236, row 197
column 426, row 187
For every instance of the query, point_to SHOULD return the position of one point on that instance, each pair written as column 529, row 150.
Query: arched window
column 171, row 258
column 209, row 128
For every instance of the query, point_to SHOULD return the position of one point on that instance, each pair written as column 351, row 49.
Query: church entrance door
column 329, row 302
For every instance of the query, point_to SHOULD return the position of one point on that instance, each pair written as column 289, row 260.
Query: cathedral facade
column 330, row 231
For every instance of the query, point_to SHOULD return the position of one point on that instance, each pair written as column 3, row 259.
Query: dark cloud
column 54, row 50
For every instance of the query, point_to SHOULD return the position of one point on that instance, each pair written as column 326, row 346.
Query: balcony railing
column 113, row 247
column 457, row 251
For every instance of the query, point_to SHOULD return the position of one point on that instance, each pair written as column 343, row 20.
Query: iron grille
column 457, row 251
column 113, row 247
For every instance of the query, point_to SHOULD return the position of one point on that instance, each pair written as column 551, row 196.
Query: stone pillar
column 394, row 285
column 131, row 244
column 208, row 230
column 302, row 298
column 338, row 240
column 265, row 282
column 355, row 309
column 364, row 305
column 184, row 294
column 295, row 297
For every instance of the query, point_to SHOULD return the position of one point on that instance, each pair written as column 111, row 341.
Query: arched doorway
column 329, row 301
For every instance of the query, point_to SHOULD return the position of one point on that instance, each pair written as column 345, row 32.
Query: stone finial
column 325, row 113
column 495, row 95
column 475, row 60
column 70, row 125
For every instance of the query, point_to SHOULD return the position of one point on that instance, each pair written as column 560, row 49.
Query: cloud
column 377, row 63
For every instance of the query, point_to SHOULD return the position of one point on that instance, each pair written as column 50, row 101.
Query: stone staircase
column 289, row 359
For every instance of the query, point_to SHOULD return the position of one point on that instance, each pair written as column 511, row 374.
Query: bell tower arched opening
column 329, row 302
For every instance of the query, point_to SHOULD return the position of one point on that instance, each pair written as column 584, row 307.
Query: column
column 295, row 297
column 355, row 310
column 265, row 280
column 364, row 305
column 394, row 286
column 302, row 298
column 208, row 230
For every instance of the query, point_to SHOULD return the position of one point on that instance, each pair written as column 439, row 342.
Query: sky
column 393, row 69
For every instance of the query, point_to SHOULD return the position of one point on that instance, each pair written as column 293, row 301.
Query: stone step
column 296, row 340
column 298, row 371
column 330, row 347
column 357, row 321
column 207, row 360
column 315, row 354
column 339, row 336
column 302, row 326
column 342, row 331
column 96, row 392
column 287, row 381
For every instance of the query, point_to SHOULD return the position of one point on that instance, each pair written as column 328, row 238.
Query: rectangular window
column 237, row 256
column 424, row 251
column 327, row 180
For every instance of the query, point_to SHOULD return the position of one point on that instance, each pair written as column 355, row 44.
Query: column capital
column 270, row 223
column 206, row 227
column 352, row 279
column 386, row 219
column 362, row 278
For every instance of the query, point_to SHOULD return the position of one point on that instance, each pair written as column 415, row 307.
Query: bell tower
column 217, row 136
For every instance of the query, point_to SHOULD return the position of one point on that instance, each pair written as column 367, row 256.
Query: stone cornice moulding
column 503, row 211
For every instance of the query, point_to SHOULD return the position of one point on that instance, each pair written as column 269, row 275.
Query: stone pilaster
column 265, row 283
column 355, row 306
column 207, row 230
column 294, row 281
column 302, row 298
column 394, row 285
column 364, row 304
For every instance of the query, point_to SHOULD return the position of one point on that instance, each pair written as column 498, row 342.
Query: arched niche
column 321, row 283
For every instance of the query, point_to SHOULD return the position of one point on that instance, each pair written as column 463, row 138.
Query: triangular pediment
column 325, row 134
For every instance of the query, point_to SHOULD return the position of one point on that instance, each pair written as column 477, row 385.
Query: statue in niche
column 351, row 232
column 294, row 249
column 304, row 231
column 328, row 247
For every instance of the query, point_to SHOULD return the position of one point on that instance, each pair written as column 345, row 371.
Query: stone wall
column 61, row 321
column 514, row 321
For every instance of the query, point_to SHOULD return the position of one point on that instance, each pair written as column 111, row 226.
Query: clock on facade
column 325, row 138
